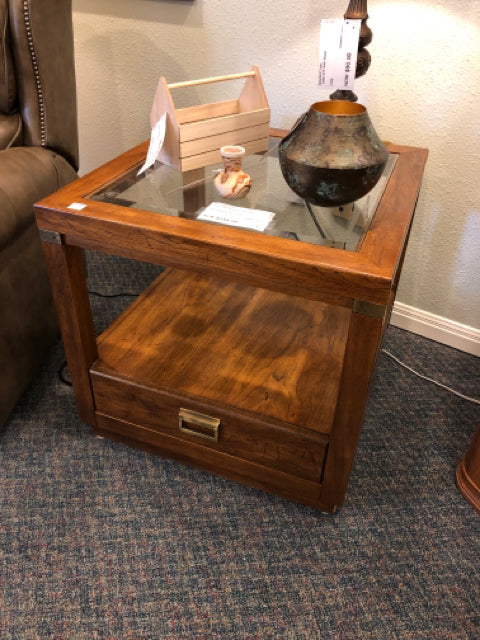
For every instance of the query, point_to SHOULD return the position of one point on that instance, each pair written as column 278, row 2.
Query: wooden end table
column 252, row 353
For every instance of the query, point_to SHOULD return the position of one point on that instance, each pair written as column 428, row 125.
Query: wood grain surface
column 253, row 349
column 279, row 264
column 269, row 336
column 272, row 444
column 66, row 269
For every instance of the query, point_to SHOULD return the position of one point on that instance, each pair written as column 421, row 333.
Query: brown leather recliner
column 38, row 155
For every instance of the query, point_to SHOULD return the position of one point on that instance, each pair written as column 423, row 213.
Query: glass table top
column 270, row 207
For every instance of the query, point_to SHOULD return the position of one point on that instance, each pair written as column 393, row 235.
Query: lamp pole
column 357, row 10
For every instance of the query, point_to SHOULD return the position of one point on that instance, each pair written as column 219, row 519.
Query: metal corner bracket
column 50, row 236
column 369, row 309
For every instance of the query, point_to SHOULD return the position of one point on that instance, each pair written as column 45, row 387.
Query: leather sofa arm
column 27, row 174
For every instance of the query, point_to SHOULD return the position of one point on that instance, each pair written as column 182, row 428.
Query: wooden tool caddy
column 194, row 135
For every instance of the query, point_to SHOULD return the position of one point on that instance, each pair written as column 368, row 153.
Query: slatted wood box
column 194, row 135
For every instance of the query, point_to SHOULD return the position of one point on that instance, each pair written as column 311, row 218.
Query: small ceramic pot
column 232, row 181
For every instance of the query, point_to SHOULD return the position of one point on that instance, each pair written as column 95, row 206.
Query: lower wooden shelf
column 267, row 353
column 264, row 367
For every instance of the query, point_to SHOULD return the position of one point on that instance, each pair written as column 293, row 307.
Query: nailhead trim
column 36, row 73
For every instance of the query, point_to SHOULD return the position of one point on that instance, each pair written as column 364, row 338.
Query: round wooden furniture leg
column 468, row 472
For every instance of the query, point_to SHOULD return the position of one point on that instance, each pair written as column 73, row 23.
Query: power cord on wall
column 65, row 380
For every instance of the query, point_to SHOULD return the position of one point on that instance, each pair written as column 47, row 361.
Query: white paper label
column 76, row 206
column 338, row 48
column 156, row 143
column 237, row 216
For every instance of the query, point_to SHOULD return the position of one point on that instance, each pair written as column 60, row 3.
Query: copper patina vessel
column 333, row 155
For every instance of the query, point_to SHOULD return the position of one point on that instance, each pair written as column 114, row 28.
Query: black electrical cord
column 62, row 374
column 114, row 295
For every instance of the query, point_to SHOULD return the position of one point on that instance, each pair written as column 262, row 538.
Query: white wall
column 422, row 89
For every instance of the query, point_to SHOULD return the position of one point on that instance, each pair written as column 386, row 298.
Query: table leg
column 194, row 196
column 364, row 338
column 66, row 268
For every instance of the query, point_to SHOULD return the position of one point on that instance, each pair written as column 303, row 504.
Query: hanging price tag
column 338, row 48
column 156, row 143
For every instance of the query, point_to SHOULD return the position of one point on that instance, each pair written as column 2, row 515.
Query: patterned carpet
column 98, row 540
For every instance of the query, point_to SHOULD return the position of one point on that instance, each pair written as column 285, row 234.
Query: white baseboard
column 428, row 325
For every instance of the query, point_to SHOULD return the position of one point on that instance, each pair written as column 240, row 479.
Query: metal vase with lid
column 333, row 156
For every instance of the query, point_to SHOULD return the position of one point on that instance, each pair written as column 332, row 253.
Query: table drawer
column 276, row 445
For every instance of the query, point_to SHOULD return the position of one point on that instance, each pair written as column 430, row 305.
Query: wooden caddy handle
column 192, row 83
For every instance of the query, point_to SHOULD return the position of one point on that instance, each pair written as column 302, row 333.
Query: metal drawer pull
column 197, row 424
